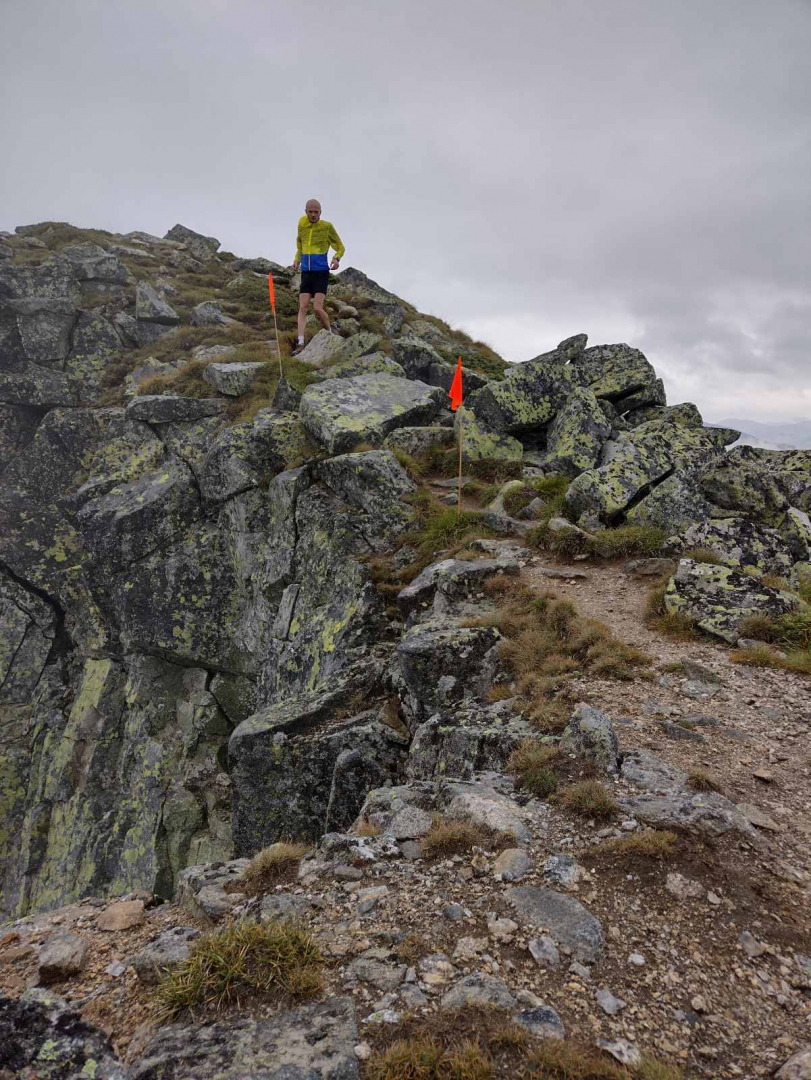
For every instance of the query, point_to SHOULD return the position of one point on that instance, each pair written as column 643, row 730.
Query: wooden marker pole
column 461, row 440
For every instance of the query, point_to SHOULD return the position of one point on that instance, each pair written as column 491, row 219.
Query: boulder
column 369, row 364
column 482, row 445
column 529, row 399
column 415, row 356
column 32, row 385
column 417, row 441
column 168, row 408
column 374, row 483
column 40, row 1036
column 674, row 503
column 41, row 329
column 201, row 889
column 479, row 991
column 166, row 951
column 202, row 248
column 686, row 414
column 739, row 542
column 314, row 1042
column 479, row 802
column 245, row 455
column 462, row 743
column 576, row 436
column 92, row 263
column 233, row 379
column 286, row 398
column 62, row 956
column 704, row 812
column 27, row 633
column 590, row 735
column 95, row 345
column 717, row 598
column 209, row 313
column 150, row 306
column 53, row 280
column 438, row 664
column 442, row 584
column 341, row 413
column 565, row 919
column 18, row 424
column 644, row 770
column 620, row 374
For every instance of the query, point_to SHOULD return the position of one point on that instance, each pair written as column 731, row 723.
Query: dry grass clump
column 452, row 836
column 613, row 543
column 589, row 799
column 765, row 657
column 671, row 624
column 426, row 1059
column 547, row 643
column 648, row 844
column 550, row 489
column 703, row 555
column 229, row 966
column 564, row 1061
column 366, row 828
column 701, row 780
column 530, row 764
column 273, row 864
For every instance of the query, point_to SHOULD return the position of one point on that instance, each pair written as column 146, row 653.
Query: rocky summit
column 319, row 760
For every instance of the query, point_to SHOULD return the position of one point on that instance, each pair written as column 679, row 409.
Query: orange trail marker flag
column 455, row 394
column 272, row 293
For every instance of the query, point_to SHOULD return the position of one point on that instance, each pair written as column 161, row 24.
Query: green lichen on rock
column 577, row 435
column 717, row 598
column 479, row 444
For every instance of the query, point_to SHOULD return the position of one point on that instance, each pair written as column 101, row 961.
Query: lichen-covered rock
column 454, row 579
column 673, row 504
column 369, row 364
column 150, row 306
column 127, row 788
column 686, row 414
column 95, row 344
column 461, row 743
column 739, row 542
column 207, row 891
column 52, row 280
column 762, row 484
column 374, row 482
column 644, row 770
column 576, row 436
column 27, row 632
column 170, row 409
column 717, row 598
column 315, row 1042
column 620, row 374
column 93, row 263
column 439, row 664
column 62, row 956
column 644, row 456
column 417, row 441
column 480, row 803
column 530, row 398
column 232, row 379
column 415, row 356
column 39, row 327
column 41, row 1036
column 442, row 375
column 479, row 444
column 18, row 425
column 244, row 455
column 341, row 413
column 590, row 735
column 31, row 384
column 138, row 518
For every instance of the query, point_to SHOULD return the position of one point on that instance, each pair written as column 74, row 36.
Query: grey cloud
column 636, row 169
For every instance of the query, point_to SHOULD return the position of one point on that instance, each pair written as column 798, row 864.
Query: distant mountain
column 771, row 435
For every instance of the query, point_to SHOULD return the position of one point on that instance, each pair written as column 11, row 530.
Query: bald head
column 313, row 210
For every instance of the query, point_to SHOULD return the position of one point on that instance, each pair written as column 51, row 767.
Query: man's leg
column 303, row 304
column 318, row 306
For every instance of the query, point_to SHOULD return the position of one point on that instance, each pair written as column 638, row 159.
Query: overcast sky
column 636, row 169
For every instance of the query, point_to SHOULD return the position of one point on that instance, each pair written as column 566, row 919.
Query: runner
column 315, row 238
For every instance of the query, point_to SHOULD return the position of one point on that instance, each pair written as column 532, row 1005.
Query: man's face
column 313, row 212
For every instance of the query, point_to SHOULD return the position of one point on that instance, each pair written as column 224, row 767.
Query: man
column 315, row 238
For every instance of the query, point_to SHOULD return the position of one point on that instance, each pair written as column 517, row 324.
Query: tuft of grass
column 760, row 627
column 703, row 555
column 411, row 465
column 235, row 964
column 427, row 1059
column 775, row 581
column 271, row 865
column 701, row 780
column 500, row 692
column 366, row 828
column 763, row 656
column 451, row 836
column 588, row 798
column 529, row 764
column 648, row 844
column 564, row 1061
column 614, row 543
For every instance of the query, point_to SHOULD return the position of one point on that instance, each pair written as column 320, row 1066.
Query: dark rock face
column 40, row 1032
column 316, row 1042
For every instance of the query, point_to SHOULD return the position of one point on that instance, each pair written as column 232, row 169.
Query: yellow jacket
column 313, row 243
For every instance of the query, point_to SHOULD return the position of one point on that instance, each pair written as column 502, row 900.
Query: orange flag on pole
column 272, row 293
column 455, row 392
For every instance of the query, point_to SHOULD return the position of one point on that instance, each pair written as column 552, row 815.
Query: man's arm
column 335, row 242
column 297, row 259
